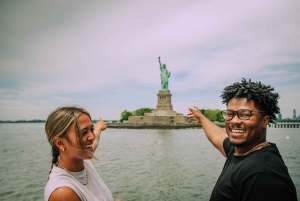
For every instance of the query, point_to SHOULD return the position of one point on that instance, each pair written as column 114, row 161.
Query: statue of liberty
column 164, row 76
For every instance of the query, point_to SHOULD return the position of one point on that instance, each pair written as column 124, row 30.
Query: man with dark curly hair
column 254, row 169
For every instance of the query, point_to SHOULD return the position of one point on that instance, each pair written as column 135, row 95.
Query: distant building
column 294, row 114
column 279, row 117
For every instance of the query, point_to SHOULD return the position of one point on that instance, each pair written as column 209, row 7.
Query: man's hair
column 263, row 96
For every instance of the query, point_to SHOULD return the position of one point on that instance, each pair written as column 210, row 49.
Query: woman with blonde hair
column 74, row 139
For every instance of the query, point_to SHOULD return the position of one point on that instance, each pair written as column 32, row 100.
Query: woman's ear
column 59, row 142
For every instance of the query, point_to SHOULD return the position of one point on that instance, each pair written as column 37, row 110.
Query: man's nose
column 235, row 118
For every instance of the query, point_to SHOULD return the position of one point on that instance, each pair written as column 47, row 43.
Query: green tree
column 213, row 115
column 219, row 117
column 124, row 115
column 141, row 111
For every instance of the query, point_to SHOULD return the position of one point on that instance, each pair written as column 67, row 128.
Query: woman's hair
column 58, row 123
column 263, row 96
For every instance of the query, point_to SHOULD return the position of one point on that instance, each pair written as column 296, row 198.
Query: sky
column 103, row 55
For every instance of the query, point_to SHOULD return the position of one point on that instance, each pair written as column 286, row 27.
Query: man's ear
column 266, row 120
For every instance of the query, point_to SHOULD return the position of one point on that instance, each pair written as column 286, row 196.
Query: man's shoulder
column 264, row 160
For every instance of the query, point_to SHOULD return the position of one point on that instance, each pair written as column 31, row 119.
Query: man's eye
column 245, row 114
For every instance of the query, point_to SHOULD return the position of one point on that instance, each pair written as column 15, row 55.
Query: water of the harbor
column 152, row 165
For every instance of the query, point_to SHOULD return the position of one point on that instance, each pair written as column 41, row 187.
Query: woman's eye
column 84, row 133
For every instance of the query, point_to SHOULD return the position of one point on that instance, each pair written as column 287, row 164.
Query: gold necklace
column 263, row 144
column 86, row 175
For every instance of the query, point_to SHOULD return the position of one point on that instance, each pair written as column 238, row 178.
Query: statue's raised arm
column 159, row 62
column 164, row 76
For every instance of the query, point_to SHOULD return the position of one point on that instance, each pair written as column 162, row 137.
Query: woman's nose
column 91, row 135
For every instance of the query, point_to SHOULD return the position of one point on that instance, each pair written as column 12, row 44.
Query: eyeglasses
column 242, row 114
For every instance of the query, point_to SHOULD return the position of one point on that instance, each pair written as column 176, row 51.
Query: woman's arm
column 99, row 126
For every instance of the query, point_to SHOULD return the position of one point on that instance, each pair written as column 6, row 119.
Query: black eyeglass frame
column 236, row 112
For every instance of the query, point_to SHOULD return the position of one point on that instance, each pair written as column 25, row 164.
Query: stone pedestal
column 163, row 114
column 164, row 100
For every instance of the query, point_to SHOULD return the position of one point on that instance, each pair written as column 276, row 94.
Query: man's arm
column 214, row 133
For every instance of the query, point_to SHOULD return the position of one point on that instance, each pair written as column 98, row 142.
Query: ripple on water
column 136, row 164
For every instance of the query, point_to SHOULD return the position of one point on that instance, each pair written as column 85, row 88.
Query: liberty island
column 164, row 113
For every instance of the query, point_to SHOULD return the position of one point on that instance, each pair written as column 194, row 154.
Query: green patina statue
column 164, row 76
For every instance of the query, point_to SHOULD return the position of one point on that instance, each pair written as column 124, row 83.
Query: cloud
column 103, row 55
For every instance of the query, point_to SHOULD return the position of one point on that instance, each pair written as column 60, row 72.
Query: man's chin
column 236, row 144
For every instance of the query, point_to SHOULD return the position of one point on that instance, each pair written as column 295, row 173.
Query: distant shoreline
column 20, row 121
column 158, row 126
column 137, row 126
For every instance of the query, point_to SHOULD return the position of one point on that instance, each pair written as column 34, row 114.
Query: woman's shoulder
column 58, row 175
column 58, row 179
column 64, row 193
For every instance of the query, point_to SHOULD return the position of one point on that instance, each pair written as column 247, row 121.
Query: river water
column 152, row 165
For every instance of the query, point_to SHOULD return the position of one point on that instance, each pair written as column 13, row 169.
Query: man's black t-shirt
column 260, row 175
